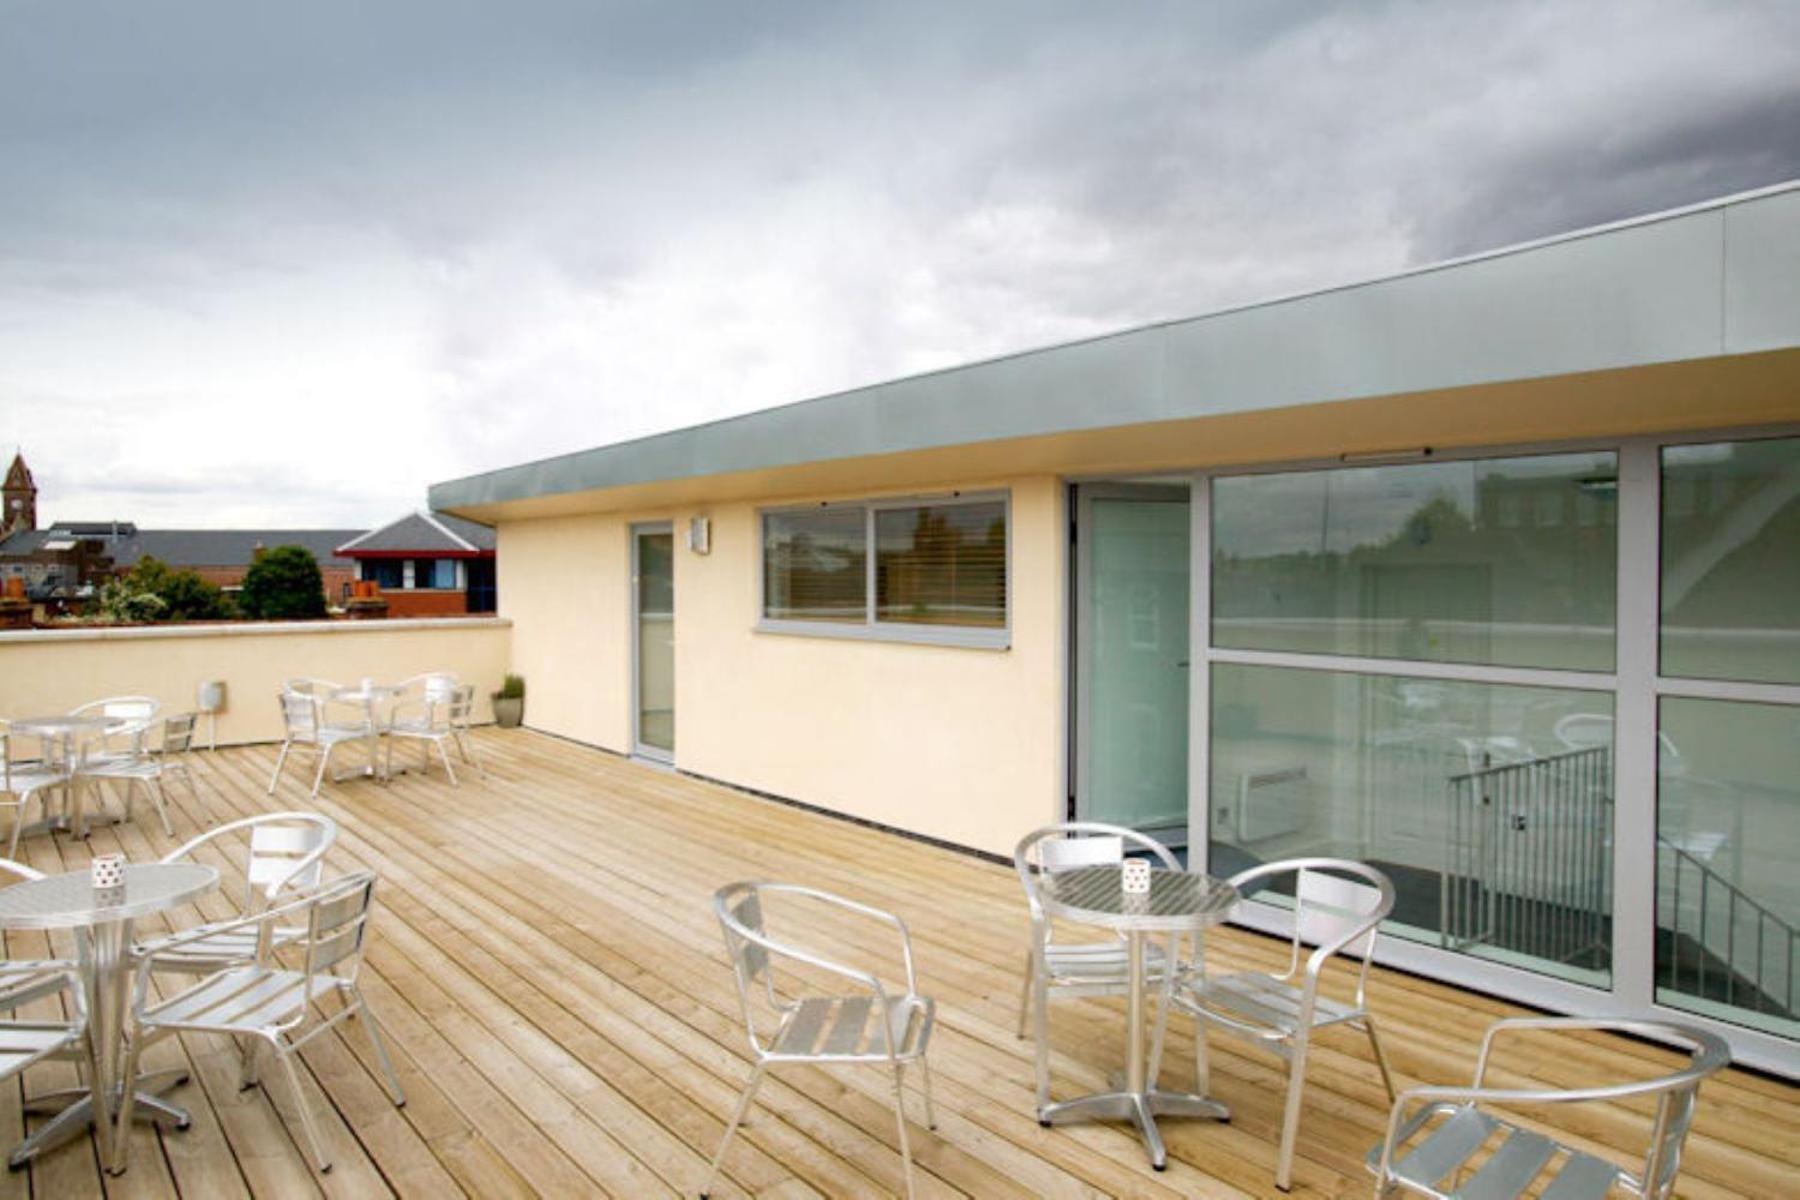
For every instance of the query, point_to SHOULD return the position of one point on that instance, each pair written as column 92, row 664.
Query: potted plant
column 509, row 702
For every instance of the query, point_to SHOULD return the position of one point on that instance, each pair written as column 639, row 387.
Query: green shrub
column 185, row 596
column 512, row 688
column 283, row 584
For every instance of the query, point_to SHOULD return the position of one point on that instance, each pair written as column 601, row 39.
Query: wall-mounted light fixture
column 699, row 535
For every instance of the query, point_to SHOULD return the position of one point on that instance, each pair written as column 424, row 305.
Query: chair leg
column 1290, row 1120
column 162, row 804
column 247, row 1075
column 731, row 1127
column 115, row 1141
column 12, row 851
column 925, row 1078
column 1025, row 993
column 444, row 753
column 373, row 1028
column 906, row 1171
column 280, row 762
column 324, row 756
column 1381, row 1058
column 302, row 1104
column 1040, row 1015
column 1202, row 1060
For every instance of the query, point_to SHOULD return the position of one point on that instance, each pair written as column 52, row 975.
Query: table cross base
column 74, row 1109
column 1141, row 1109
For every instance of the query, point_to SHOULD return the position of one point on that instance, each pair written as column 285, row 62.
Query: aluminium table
column 368, row 694
column 63, row 730
column 102, row 922
column 1178, row 902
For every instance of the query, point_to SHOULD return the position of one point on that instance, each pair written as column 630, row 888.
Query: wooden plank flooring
column 550, row 975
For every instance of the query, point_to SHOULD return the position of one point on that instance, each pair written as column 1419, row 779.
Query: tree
column 121, row 603
column 283, row 584
column 185, row 596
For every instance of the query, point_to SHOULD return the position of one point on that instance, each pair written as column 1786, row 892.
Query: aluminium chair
column 266, row 1004
column 307, row 720
column 1431, row 1149
column 440, row 715
column 149, row 768
column 1338, row 906
column 132, row 718
column 284, row 854
column 1072, row 969
column 869, row 1025
column 20, row 782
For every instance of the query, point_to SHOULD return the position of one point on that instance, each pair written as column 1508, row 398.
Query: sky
column 286, row 265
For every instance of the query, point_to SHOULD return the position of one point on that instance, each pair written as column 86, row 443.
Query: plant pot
column 509, row 713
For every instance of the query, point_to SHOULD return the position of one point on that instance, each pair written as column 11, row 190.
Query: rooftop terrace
column 552, row 980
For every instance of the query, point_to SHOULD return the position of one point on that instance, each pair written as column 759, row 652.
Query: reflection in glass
column 1488, row 805
column 656, row 640
column 1727, row 841
column 815, row 565
column 1509, row 561
column 941, row 564
column 1731, row 561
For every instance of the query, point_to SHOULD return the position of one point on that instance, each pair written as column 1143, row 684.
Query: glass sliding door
column 1728, row 735
column 1132, row 671
column 653, row 646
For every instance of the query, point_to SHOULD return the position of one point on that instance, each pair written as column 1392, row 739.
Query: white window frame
column 871, row 627
column 1636, row 686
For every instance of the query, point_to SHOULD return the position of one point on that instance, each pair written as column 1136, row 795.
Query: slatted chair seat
column 1101, row 962
column 23, row 1043
column 1264, row 1006
column 848, row 1028
column 243, row 1000
column 1447, row 1143
column 25, row 980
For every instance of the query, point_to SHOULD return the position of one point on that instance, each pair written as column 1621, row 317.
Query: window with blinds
column 815, row 565
column 941, row 564
column 884, row 568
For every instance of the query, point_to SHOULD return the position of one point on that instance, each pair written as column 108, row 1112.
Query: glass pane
column 1727, row 839
column 1488, row 805
column 656, row 640
column 1136, row 665
column 1731, row 561
column 1506, row 561
column 941, row 564
column 815, row 565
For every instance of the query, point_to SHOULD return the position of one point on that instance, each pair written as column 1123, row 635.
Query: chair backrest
column 1338, row 904
column 1073, row 844
column 307, row 686
column 337, row 920
column 299, row 715
column 124, row 708
column 739, row 909
column 460, row 705
column 286, row 852
column 178, row 733
column 19, row 871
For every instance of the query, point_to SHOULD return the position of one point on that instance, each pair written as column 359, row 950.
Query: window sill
column 919, row 635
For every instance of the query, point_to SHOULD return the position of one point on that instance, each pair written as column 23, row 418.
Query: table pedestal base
column 74, row 1109
column 1141, row 1109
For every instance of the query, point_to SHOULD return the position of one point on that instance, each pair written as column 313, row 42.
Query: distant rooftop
column 126, row 543
column 423, row 533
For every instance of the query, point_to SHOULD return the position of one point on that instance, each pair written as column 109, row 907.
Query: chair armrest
column 874, row 914
column 794, row 953
column 269, row 916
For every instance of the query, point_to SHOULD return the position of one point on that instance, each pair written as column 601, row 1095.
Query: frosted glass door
column 1134, row 659
column 654, row 601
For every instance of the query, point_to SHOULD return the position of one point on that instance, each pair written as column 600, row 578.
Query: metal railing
column 1527, row 860
column 1752, row 958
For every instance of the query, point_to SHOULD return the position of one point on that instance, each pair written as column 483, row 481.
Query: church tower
column 18, row 498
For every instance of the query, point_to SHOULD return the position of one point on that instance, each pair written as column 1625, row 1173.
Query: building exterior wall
column 50, row 671
column 961, row 744
column 426, row 602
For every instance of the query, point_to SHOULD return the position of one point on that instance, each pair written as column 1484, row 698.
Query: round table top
column 1177, row 900
column 62, row 724
column 71, row 901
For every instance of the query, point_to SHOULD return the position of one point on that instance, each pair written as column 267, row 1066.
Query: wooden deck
column 551, row 977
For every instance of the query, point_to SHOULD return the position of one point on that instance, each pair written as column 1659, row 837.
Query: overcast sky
column 287, row 264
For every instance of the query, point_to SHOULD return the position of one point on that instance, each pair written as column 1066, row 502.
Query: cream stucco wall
column 52, row 671
column 960, row 744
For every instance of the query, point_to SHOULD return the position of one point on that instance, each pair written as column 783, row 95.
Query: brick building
column 428, row 564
